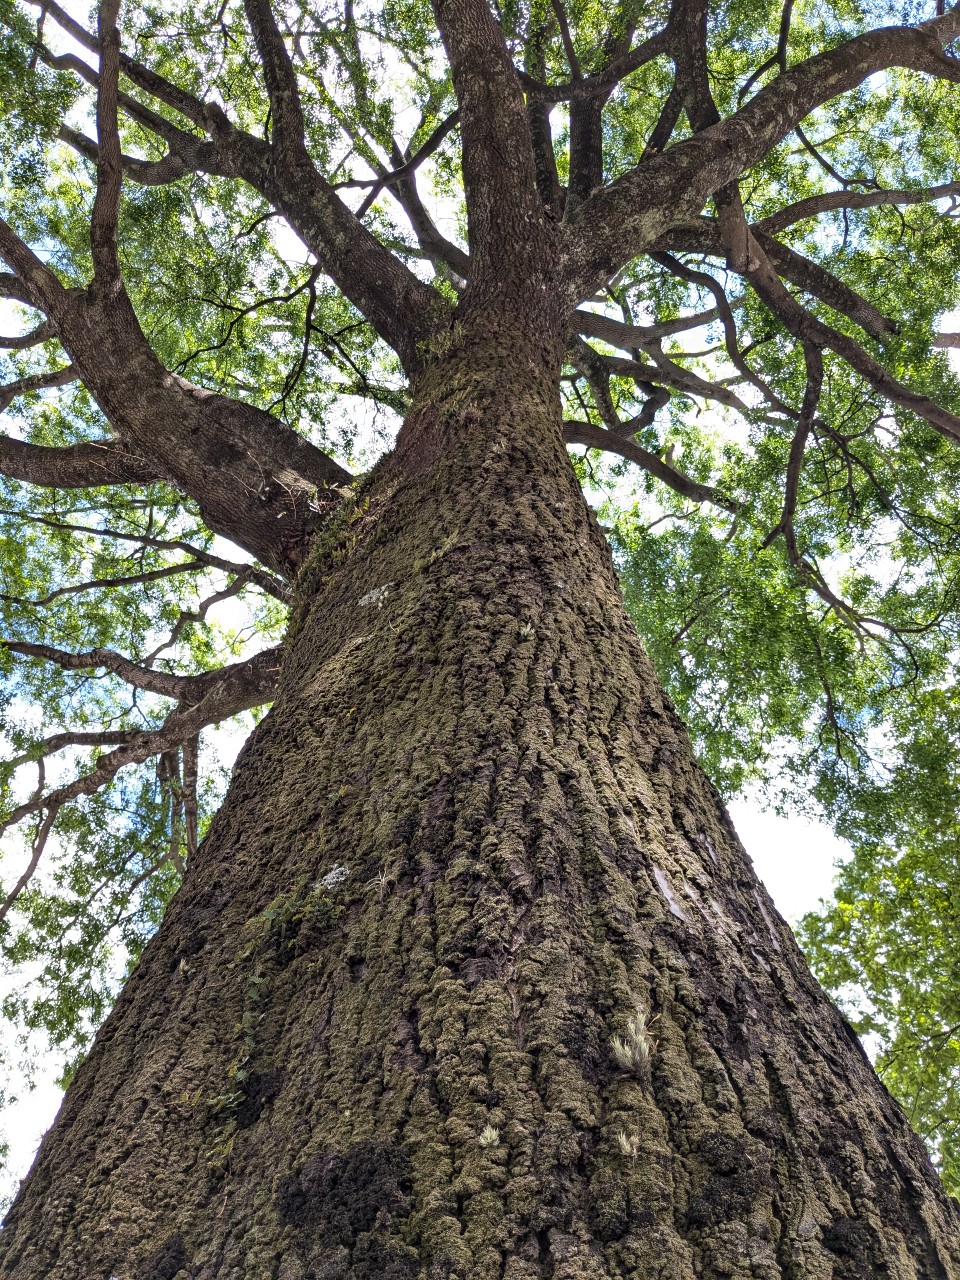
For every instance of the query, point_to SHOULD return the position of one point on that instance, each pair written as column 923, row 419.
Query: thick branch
column 538, row 116
column 254, row 479
column 186, row 155
column 586, row 149
column 188, row 690
column 280, row 79
column 106, row 204
column 33, row 282
column 505, row 214
column 12, row 286
column 437, row 248
column 630, row 336
column 75, row 466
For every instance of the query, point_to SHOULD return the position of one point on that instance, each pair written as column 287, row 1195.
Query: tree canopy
column 234, row 235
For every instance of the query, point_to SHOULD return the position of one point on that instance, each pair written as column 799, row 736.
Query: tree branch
column 670, row 374
column 404, row 170
column 256, row 576
column 236, row 688
column 97, row 584
column 35, row 382
column 731, row 340
column 435, row 246
column 811, row 398
column 608, row 77
column 23, row 342
column 630, row 336
column 756, row 267
column 187, row 690
column 13, row 287
column 813, row 206
column 74, row 738
column 36, row 853
column 280, row 79
column 33, row 282
column 256, row 481
column 157, row 86
column 106, row 204
column 403, row 309
column 192, row 156
column 586, row 433
column 705, row 236
column 76, row 466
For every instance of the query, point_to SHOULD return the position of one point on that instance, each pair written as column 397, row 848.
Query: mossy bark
column 471, row 977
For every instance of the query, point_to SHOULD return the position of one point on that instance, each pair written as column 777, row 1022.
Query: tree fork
column 473, row 938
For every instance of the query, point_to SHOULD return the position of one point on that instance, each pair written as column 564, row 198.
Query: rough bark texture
column 472, row 978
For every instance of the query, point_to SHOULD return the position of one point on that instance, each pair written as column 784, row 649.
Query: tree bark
column 471, row 977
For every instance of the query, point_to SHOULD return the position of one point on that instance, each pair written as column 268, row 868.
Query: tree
column 469, row 975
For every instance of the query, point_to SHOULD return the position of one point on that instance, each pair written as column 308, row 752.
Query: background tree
column 470, row 976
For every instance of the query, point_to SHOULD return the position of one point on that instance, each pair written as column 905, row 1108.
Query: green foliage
column 885, row 944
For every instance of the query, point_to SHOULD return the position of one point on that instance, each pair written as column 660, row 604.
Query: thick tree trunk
column 471, row 977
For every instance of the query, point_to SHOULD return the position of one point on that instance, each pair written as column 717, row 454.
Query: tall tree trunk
column 471, row 977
